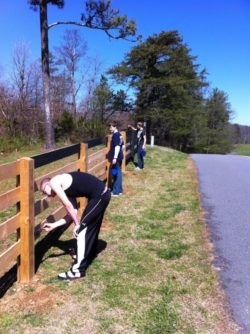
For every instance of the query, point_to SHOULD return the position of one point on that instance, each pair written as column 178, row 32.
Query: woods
column 96, row 15
column 171, row 95
column 68, row 95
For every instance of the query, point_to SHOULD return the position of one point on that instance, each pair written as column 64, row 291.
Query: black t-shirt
column 85, row 185
column 140, row 137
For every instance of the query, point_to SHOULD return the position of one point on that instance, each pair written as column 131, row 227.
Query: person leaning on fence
column 115, row 157
column 140, row 143
column 68, row 187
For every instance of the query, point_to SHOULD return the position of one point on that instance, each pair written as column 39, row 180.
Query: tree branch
column 66, row 22
column 91, row 27
column 1, row 108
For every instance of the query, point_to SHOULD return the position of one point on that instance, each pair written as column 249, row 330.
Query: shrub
column 10, row 144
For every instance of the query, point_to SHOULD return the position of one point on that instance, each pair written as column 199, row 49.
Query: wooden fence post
column 123, row 133
column 109, row 178
column 83, row 167
column 27, row 221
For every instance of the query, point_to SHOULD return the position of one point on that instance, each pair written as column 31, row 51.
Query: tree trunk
column 73, row 93
column 49, row 128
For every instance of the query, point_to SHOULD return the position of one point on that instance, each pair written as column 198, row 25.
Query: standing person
column 68, row 187
column 116, row 156
column 141, row 144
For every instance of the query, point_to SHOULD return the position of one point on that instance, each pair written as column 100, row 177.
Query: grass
column 154, row 276
column 174, row 250
column 17, row 154
column 242, row 149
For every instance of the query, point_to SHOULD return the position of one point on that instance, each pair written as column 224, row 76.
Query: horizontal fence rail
column 23, row 221
column 9, row 170
column 49, row 157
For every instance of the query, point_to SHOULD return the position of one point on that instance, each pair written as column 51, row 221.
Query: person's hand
column 76, row 231
column 114, row 161
column 129, row 126
column 49, row 227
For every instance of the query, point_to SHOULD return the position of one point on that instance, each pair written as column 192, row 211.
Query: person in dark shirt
column 116, row 156
column 140, row 144
column 68, row 187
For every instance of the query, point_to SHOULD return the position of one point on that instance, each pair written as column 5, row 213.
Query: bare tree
column 21, row 84
column 59, row 88
column 27, row 93
column 70, row 55
column 21, row 96
column 93, row 73
column 8, row 118
column 36, row 99
column 97, row 14
column 21, row 72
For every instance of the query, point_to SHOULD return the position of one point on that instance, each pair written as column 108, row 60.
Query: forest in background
column 162, row 85
column 241, row 134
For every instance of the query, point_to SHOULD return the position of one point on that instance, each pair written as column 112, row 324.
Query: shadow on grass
column 69, row 247
column 8, row 280
column 50, row 240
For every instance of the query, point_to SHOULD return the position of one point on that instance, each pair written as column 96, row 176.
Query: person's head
column 113, row 126
column 139, row 125
column 45, row 187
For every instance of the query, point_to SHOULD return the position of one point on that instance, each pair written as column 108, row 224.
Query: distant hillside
column 240, row 134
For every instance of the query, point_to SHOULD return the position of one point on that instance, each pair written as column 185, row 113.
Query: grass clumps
column 153, row 274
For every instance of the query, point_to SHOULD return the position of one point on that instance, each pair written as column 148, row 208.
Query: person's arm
column 131, row 127
column 144, row 141
column 51, row 226
column 117, row 150
column 56, row 186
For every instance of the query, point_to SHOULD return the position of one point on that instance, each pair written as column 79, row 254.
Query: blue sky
column 216, row 31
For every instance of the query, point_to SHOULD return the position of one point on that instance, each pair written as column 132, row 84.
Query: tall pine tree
column 218, row 112
column 168, row 87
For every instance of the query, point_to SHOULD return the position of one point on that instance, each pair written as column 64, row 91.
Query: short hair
column 140, row 124
column 115, row 124
column 42, row 183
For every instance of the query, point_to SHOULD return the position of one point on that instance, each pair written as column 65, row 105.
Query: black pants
column 89, row 230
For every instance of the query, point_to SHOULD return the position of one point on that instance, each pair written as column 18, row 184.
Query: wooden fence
column 23, row 196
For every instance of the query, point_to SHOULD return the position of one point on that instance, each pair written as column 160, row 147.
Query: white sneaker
column 70, row 276
column 137, row 168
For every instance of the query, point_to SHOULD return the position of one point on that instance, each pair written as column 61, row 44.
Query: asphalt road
column 224, row 183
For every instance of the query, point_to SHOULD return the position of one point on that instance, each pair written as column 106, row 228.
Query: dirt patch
column 129, row 192
column 135, row 174
column 34, row 298
column 106, row 225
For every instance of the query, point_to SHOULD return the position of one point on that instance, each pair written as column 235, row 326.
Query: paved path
column 224, row 183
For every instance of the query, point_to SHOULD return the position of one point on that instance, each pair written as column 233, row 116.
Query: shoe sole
column 68, row 278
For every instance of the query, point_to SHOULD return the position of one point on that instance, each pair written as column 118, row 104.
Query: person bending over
column 68, row 187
